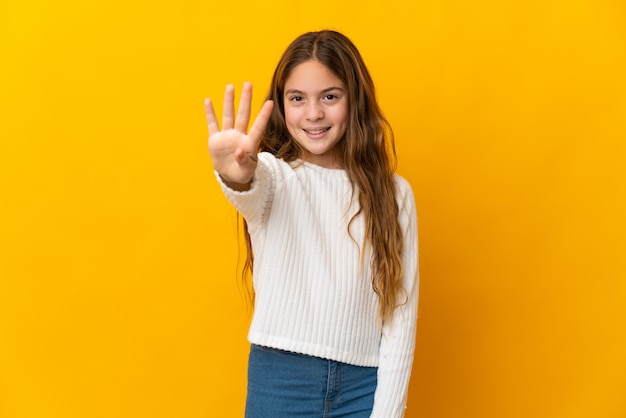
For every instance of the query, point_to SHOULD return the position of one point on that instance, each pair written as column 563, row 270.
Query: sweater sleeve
column 253, row 203
column 398, row 340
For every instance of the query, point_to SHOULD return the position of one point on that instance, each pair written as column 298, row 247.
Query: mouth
column 316, row 131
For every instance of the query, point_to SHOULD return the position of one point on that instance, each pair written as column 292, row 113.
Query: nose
column 314, row 111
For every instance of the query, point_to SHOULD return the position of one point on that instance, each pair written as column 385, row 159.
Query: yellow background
column 118, row 293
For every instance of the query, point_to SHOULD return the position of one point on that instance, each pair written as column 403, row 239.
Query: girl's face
column 316, row 112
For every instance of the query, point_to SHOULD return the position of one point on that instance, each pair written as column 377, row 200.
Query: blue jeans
column 287, row 385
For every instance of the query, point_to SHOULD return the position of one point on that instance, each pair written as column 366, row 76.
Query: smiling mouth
column 316, row 131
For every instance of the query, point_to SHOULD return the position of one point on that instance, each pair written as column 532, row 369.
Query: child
column 333, row 233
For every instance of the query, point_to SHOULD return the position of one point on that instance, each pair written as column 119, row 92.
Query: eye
column 296, row 98
column 330, row 97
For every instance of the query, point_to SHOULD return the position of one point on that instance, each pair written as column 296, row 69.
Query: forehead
column 312, row 76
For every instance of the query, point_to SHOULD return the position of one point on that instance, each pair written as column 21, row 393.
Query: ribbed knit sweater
column 313, row 294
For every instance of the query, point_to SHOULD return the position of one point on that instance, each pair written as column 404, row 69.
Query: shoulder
column 403, row 188
column 268, row 159
column 404, row 196
column 272, row 165
column 273, row 162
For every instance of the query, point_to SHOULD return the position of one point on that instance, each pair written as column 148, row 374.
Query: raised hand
column 233, row 149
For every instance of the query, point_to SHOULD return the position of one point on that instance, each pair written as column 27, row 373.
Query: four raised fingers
column 243, row 113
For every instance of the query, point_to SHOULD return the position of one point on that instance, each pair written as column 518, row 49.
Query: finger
column 243, row 112
column 228, row 117
column 240, row 156
column 210, row 117
column 243, row 156
column 258, row 127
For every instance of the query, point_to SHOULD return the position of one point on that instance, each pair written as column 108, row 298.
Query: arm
column 398, row 341
column 233, row 150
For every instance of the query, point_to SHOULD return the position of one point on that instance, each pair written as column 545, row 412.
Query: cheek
column 342, row 113
column 344, row 123
column 291, row 118
column 342, row 117
column 292, row 124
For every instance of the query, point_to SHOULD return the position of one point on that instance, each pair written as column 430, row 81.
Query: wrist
column 239, row 187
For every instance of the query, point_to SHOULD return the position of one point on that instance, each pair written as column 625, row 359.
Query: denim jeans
column 282, row 384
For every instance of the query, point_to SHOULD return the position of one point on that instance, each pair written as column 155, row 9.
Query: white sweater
column 312, row 297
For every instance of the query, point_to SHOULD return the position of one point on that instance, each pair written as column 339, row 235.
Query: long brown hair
column 367, row 150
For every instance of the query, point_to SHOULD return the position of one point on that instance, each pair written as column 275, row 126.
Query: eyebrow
column 326, row 90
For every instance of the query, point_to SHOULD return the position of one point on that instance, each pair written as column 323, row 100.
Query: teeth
column 319, row 131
